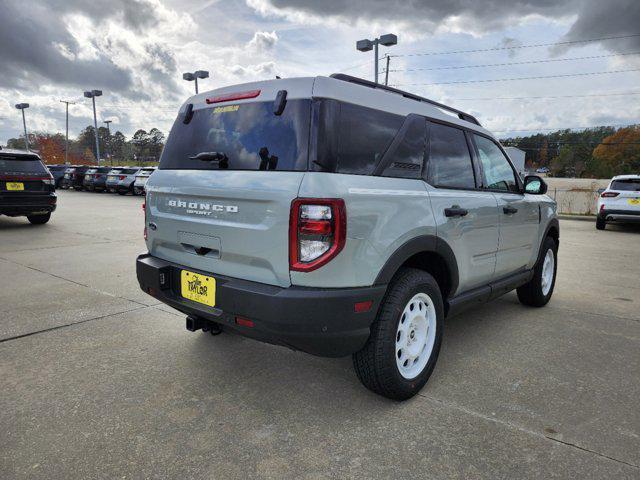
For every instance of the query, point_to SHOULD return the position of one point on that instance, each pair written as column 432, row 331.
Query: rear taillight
column 609, row 194
column 48, row 181
column 122, row 177
column 317, row 232
column 97, row 175
column 144, row 209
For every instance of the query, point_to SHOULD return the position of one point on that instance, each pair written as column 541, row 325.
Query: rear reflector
column 244, row 322
column 362, row 307
column 228, row 97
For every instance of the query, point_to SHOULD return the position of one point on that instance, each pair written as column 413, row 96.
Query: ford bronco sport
column 340, row 217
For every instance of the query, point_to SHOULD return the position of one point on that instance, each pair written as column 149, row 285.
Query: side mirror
column 535, row 185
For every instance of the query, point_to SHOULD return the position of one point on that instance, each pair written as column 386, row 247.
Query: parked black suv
column 58, row 173
column 77, row 176
column 26, row 186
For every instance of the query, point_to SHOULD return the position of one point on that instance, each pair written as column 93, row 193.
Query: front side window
column 497, row 170
column 449, row 158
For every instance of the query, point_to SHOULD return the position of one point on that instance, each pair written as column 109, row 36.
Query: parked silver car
column 141, row 179
column 126, row 179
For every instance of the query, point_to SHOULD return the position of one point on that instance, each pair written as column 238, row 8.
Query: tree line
column 115, row 148
column 599, row 152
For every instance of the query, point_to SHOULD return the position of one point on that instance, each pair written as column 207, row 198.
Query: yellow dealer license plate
column 15, row 186
column 198, row 288
column 634, row 201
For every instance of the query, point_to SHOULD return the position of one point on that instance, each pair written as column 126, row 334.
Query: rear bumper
column 27, row 204
column 319, row 321
column 617, row 214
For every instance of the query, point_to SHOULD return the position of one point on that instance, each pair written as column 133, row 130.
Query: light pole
column 190, row 77
column 365, row 45
column 108, row 147
column 92, row 95
column 23, row 106
column 66, row 143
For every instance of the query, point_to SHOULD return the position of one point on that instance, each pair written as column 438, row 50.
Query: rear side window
column 363, row 137
column 629, row 185
column 449, row 158
column 249, row 135
column 21, row 164
column 406, row 160
column 497, row 170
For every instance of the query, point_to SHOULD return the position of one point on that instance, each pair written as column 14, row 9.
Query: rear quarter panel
column 382, row 214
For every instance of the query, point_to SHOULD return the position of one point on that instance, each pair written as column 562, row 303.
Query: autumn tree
column 617, row 154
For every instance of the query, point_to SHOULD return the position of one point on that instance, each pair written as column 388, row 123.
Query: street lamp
column 23, row 106
column 190, row 77
column 92, row 95
column 366, row 45
column 108, row 153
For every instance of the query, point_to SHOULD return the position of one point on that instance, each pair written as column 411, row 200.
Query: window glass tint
column 21, row 164
column 248, row 134
column 630, row 185
column 449, row 159
column 364, row 135
column 498, row 173
column 407, row 159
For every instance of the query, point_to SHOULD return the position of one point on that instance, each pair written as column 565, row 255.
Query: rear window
column 249, row 135
column 628, row 185
column 56, row 168
column 21, row 164
column 128, row 171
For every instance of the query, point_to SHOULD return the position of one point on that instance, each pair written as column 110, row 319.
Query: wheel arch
column 428, row 253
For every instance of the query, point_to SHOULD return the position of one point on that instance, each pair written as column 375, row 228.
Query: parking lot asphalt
column 97, row 380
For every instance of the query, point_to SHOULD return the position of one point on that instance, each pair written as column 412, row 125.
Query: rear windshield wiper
column 220, row 157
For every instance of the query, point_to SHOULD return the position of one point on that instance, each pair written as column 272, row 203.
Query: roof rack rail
column 360, row 81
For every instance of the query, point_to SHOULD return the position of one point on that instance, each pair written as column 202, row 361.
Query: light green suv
column 339, row 217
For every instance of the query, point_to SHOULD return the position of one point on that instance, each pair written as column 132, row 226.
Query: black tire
column 122, row 192
column 531, row 293
column 39, row 219
column 375, row 364
column 601, row 223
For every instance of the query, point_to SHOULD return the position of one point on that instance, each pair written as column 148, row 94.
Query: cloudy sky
column 136, row 50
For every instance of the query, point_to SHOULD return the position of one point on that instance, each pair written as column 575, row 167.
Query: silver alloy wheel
column 548, row 269
column 415, row 336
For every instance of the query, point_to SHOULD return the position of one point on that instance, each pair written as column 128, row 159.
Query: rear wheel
column 405, row 339
column 537, row 292
column 122, row 192
column 601, row 223
column 39, row 219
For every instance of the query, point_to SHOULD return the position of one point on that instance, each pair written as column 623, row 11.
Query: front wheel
column 39, row 219
column 405, row 339
column 537, row 292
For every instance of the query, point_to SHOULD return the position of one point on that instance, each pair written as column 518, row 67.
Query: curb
column 583, row 218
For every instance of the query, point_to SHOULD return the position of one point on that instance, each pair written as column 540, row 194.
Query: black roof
column 360, row 81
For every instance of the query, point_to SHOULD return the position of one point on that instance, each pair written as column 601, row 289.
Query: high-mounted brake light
column 317, row 232
column 228, row 97
column 609, row 194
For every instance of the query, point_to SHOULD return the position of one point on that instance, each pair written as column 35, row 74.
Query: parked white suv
column 620, row 202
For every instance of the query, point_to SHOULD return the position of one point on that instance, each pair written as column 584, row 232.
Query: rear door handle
column 455, row 211
column 510, row 210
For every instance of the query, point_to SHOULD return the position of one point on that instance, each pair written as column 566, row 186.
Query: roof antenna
column 278, row 77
